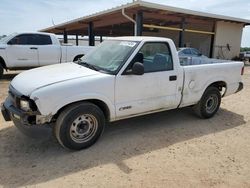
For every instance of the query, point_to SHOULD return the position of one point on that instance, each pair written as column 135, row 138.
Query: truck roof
column 141, row 38
column 33, row 32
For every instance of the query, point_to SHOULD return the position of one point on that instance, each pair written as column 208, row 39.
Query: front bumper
column 5, row 113
column 24, row 120
column 10, row 112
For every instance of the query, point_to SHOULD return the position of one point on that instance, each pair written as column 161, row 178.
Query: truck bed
column 187, row 61
column 197, row 77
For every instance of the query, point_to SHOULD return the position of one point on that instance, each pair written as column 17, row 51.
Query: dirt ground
column 169, row 149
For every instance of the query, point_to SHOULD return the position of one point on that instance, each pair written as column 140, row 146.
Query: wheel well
column 77, row 57
column 221, row 85
column 2, row 62
column 102, row 105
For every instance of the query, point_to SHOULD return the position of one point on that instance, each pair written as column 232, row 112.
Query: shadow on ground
column 27, row 162
column 9, row 76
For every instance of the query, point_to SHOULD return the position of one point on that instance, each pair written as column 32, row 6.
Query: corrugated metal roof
column 153, row 6
column 192, row 12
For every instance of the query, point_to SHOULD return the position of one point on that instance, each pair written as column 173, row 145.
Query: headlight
column 24, row 105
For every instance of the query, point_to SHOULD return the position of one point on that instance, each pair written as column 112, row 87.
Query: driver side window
column 156, row 57
column 25, row 39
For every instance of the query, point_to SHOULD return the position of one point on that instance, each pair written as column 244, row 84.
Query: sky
column 27, row 15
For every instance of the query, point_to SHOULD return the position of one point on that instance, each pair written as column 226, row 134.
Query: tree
column 245, row 49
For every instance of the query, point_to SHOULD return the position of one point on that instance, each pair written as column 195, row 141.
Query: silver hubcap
column 212, row 103
column 83, row 128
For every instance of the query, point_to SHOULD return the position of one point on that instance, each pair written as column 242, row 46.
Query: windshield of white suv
column 109, row 56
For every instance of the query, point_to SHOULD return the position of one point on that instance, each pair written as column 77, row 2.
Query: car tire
column 79, row 126
column 1, row 71
column 209, row 103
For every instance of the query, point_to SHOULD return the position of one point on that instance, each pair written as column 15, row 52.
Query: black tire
column 1, row 71
column 79, row 126
column 209, row 103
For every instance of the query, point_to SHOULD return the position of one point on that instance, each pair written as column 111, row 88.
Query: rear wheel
column 209, row 103
column 79, row 126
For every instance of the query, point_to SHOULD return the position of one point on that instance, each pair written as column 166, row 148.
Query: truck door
column 48, row 53
column 22, row 51
column 156, row 89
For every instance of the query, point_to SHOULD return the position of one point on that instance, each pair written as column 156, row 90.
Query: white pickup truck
column 26, row 50
column 121, row 78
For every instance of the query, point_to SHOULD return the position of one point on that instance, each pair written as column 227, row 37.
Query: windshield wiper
column 93, row 67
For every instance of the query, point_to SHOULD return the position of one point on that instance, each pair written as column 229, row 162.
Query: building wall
column 174, row 35
column 199, row 41
column 227, row 34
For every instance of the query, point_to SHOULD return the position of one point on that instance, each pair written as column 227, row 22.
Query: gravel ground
column 168, row 149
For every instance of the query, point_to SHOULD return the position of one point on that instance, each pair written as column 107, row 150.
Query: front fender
column 47, row 107
column 53, row 97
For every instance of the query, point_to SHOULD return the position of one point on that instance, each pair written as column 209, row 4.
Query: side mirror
column 138, row 68
column 200, row 54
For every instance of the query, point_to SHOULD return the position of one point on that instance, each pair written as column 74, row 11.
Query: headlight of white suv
column 24, row 105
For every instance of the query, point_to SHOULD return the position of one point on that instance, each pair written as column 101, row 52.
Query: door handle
column 172, row 78
column 33, row 48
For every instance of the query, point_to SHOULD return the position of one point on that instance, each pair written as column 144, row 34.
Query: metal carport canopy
column 111, row 22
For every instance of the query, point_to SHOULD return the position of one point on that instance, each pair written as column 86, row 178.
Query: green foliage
column 245, row 49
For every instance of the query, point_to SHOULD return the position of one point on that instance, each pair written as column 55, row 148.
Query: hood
column 28, row 81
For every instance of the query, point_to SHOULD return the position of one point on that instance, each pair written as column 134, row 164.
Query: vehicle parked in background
column 190, row 56
column 190, row 52
column 245, row 55
column 121, row 78
column 26, row 50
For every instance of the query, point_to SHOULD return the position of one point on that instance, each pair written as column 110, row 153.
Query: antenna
column 53, row 22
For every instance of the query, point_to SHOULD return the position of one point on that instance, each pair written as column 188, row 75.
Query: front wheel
column 79, row 126
column 209, row 103
column 1, row 71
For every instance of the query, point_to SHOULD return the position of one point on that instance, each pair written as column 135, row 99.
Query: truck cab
column 32, row 50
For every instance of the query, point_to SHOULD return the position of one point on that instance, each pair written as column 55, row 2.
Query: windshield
column 7, row 38
column 110, row 55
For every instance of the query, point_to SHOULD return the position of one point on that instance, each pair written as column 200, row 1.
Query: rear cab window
column 43, row 40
